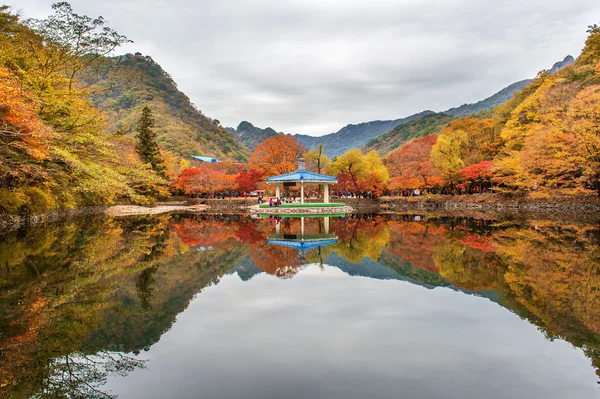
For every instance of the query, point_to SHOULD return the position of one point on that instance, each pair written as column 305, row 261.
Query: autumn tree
column 376, row 176
column 351, row 163
column 317, row 159
column 464, row 142
column 20, row 126
column 478, row 174
column 77, row 40
column 411, row 166
column 584, row 118
column 276, row 155
column 147, row 147
column 195, row 181
column 367, row 172
column 248, row 180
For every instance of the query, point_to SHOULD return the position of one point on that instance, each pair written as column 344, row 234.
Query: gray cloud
column 313, row 66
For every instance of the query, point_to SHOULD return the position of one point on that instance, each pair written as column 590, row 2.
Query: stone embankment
column 485, row 202
column 302, row 211
column 8, row 222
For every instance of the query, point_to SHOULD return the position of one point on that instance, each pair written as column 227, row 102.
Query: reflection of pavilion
column 303, row 241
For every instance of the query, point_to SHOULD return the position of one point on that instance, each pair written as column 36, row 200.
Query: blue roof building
column 302, row 177
column 205, row 159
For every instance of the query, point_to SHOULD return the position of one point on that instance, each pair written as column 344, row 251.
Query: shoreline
column 493, row 203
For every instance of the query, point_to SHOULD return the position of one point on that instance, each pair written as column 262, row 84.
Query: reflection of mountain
column 245, row 268
column 129, row 327
column 389, row 267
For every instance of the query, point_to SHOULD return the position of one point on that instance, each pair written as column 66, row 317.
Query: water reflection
column 83, row 301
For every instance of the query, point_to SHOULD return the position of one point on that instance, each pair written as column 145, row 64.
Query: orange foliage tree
column 277, row 155
column 195, row 181
column 248, row 180
column 411, row 167
column 478, row 174
column 20, row 127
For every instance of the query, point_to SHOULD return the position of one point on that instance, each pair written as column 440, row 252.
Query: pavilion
column 302, row 177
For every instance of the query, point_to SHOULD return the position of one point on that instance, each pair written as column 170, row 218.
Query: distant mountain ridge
column 496, row 99
column 250, row 135
column 354, row 136
column 390, row 141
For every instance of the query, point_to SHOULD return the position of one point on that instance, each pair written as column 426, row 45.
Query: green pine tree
column 147, row 147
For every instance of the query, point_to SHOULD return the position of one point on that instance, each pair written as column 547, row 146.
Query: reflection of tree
column 361, row 236
column 279, row 261
column 81, row 376
column 217, row 232
column 465, row 267
column 414, row 242
column 144, row 286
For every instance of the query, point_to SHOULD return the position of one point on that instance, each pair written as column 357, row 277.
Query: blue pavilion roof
column 303, row 245
column 301, row 175
column 205, row 159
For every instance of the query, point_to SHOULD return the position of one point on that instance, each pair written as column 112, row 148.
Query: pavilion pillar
column 278, row 190
column 326, row 223
column 278, row 227
column 302, row 192
column 302, row 227
column 326, row 193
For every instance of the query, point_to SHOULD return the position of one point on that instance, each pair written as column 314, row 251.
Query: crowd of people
column 275, row 201
column 352, row 194
column 458, row 190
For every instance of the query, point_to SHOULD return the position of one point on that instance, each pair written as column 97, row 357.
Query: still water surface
column 377, row 306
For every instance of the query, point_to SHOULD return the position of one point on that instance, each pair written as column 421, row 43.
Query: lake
column 359, row 306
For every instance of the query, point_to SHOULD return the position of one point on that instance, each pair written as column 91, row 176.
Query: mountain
column 569, row 60
column 505, row 94
column 123, row 85
column 388, row 142
column 499, row 98
column 250, row 135
column 354, row 136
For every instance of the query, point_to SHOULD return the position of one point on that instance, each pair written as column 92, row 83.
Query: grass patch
column 311, row 205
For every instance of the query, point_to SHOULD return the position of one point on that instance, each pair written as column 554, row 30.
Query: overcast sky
column 314, row 66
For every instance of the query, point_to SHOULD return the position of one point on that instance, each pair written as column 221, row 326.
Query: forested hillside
column 545, row 140
column 122, row 85
column 387, row 143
